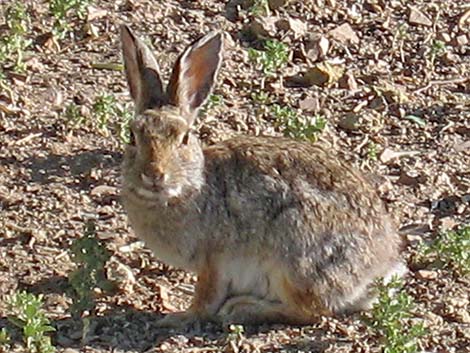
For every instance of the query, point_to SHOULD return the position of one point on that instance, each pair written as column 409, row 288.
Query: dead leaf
column 324, row 74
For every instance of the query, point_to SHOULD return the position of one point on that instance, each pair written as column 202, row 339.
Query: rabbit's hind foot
column 251, row 310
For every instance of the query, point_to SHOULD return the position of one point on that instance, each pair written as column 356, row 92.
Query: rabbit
column 277, row 230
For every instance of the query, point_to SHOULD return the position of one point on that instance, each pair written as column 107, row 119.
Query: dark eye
column 185, row 139
column 131, row 138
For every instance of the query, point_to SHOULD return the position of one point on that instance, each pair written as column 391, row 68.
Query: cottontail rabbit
column 277, row 230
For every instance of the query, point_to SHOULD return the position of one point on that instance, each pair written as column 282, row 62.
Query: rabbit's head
column 163, row 158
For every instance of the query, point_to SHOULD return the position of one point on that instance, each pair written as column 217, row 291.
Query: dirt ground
column 400, row 111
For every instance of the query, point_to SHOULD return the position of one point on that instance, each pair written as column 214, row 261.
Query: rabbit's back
column 257, row 182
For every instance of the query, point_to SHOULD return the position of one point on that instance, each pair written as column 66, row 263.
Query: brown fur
column 277, row 230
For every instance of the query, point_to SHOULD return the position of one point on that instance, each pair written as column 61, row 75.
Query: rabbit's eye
column 131, row 138
column 185, row 139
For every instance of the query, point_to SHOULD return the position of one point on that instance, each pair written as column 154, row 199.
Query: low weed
column 437, row 49
column 90, row 256
column 274, row 56
column 104, row 109
column 291, row 123
column 390, row 319
column 13, row 41
column 74, row 115
column 261, row 98
column 372, row 152
column 5, row 340
column 107, row 109
column 259, row 8
column 62, row 10
column 449, row 250
column 215, row 100
column 27, row 314
column 235, row 338
column 295, row 125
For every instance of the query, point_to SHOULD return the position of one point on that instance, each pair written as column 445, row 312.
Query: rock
column 276, row 4
column 447, row 223
column 461, row 40
column 418, row 18
column 426, row 274
column 450, row 58
column 256, row 29
column 309, row 104
column 350, row 122
column 316, row 48
column 298, row 27
column 104, row 190
column 344, row 34
column 444, row 36
column 348, row 81
column 389, row 155
column 94, row 13
column 410, row 179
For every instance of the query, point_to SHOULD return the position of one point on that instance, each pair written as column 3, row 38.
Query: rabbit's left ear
column 142, row 72
column 194, row 74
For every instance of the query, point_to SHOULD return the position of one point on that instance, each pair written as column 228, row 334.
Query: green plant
column 4, row 339
column 272, row 58
column 297, row 126
column 259, row 8
column 235, row 337
column 436, row 50
column 90, row 256
column 389, row 318
column 61, row 10
column 214, row 100
column 28, row 315
column 261, row 97
column 104, row 108
column 126, row 117
column 73, row 114
column 13, row 42
column 450, row 250
column 399, row 39
column 372, row 151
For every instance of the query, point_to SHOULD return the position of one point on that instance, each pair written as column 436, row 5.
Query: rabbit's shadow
column 73, row 171
column 129, row 329
column 125, row 328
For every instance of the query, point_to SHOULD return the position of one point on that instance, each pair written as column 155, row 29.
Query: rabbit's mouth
column 156, row 190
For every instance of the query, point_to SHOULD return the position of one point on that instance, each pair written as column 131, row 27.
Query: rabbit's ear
column 142, row 72
column 194, row 74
